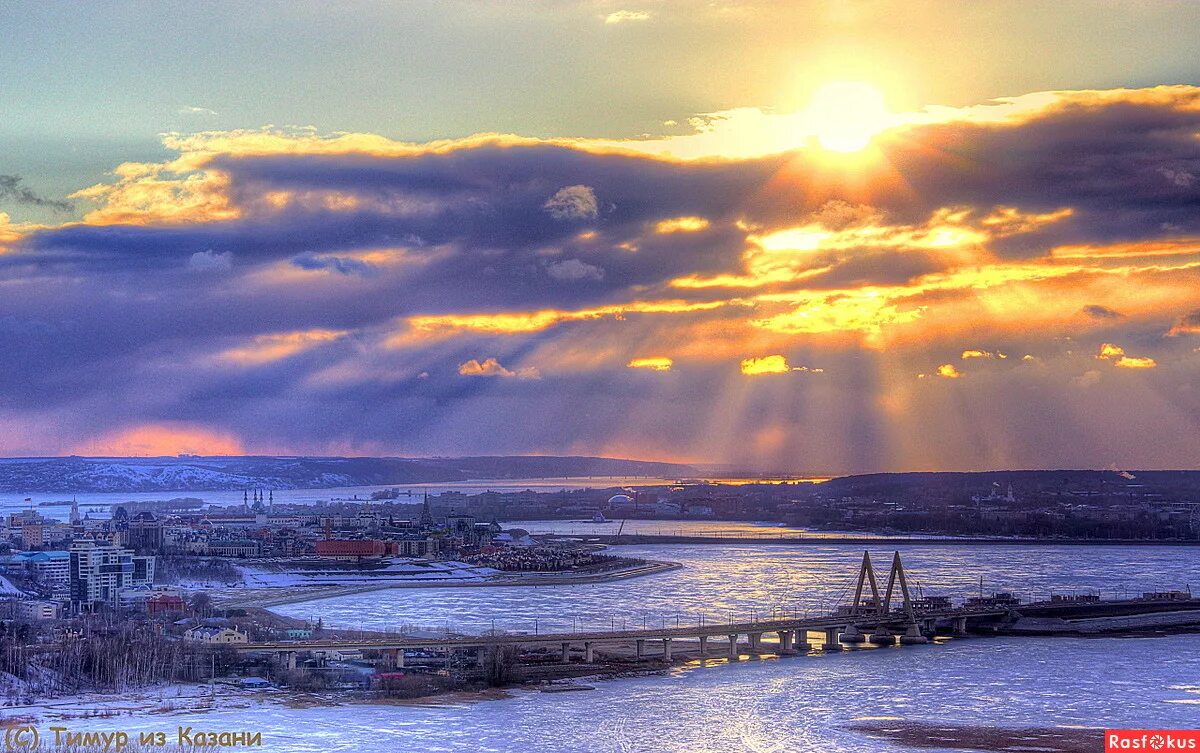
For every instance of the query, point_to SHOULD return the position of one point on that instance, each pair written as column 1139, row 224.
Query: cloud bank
column 291, row 291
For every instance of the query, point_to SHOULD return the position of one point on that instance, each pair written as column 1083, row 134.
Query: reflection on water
column 716, row 528
column 745, row 581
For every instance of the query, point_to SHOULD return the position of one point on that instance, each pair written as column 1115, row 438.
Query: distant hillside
column 79, row 474
column 949, row 483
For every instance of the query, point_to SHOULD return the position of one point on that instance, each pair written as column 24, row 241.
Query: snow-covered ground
column 8, row 589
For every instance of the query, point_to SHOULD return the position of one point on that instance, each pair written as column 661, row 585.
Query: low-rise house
column 38, row 609
column 216, row 635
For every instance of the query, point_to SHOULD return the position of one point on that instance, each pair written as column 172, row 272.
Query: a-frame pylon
column 897, row 574
column 866, row 574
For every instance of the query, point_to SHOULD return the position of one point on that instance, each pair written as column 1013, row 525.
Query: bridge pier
column 733, row 647
column 801, row 643
column 392, row 658
column 755, row 640
column 913, row 636
column 703, row 646
column 287, row 659
column 960, row 626
column 666, row 649
column 566, row 653
column 785, row 641
column 882, row 637
column 589, row 654
column 640, row 644
column 853, row 635
column 831, row 640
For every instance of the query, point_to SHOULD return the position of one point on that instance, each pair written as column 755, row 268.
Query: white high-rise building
column 100, row 570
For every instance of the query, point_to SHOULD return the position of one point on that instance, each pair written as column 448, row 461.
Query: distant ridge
column 64, row 475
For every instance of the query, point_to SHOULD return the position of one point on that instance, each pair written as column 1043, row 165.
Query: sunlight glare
column 844, row 116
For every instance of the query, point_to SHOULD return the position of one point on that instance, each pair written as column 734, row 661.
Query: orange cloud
column 490, row 367
column 1132, row 362
column 277, row 346
column 1116, row 354
column 160, row 439
column 681, row 225
column 765, row 365
column 653, row 363
column 1188, row 324
column 520, row 322
column 949, row 371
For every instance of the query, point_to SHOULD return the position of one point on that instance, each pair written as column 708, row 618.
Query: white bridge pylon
column 874, row 604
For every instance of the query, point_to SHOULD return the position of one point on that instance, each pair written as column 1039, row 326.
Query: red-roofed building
column 353, row 549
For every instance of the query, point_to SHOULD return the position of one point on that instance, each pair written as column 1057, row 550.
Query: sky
column 815, row 237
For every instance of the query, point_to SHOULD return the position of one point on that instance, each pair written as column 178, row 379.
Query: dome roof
column 620, row 499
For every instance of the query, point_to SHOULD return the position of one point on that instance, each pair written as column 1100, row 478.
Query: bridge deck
column 814, row 624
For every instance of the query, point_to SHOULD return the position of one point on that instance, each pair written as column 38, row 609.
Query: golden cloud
column 653, row 363
column 765, row 365
column 948, row 371
column 490, row 367
column 1132, row 362
column 681, row 225
column 277, row 346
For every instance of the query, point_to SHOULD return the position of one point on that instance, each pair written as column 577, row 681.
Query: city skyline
column 843, row 256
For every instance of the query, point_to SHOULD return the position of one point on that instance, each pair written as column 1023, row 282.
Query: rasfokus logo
column 1151, row 739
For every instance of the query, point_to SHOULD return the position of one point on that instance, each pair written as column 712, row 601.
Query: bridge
column 869, row 618
column 884, row 617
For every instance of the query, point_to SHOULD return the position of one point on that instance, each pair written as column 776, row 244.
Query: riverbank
column 865, row 540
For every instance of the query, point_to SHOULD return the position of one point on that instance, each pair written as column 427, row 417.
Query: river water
column 804, row 704
column 743, row 581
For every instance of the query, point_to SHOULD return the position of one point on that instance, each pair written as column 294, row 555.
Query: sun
column 844, row 116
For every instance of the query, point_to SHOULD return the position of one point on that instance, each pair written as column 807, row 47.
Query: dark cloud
column 1097, row 311
column 12, row 191
column 341, row 265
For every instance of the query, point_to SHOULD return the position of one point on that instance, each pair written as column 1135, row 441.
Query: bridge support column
column 666, row 649
column 832, row 642
column 913, row 636
column 392, row 658
column 641, row 648
column 733, row 647
column 785, row 641
column 703, row 645
column 960, row 625
column 755, row 642
column 801, row 643
column 589, row 654
column 566, row 653
column 287, row 659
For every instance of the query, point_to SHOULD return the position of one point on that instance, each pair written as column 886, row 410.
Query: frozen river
column 796, row 705
column 804, row 704
column 746, row 580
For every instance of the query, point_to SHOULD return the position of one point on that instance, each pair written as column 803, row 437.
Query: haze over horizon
column 845, row 255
